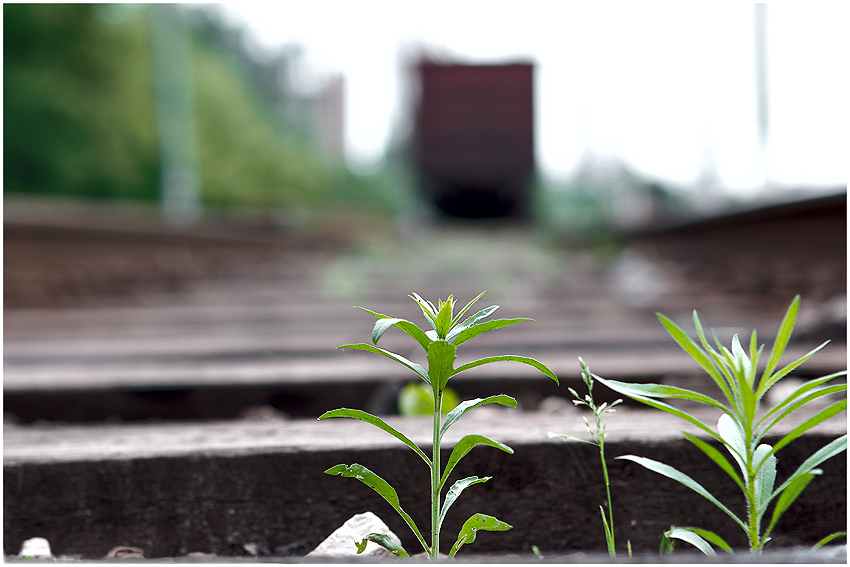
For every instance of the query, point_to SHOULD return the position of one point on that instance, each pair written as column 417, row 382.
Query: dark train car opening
column 473, row 141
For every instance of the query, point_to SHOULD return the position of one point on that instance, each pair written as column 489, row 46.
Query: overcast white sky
column 654, row 84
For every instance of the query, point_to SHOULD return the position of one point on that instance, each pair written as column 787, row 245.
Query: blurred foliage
column 80, row 113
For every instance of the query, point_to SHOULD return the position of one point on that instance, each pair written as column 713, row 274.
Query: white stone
column 35, row 547
column 341, row 542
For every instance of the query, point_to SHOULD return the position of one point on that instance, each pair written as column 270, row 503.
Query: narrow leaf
column 391, row 355
column 472, row 525
column 798, row 393
column 828, row 539
column 768, row 383
column 682, row 478
column 509, row 358
column 693, row 349
column 659, row 391
column 377, row 422
column 465, row 309
column 788, row 496
column 380, row 486
column 384, row 541
column 826, row 452
column 463, row 447
column 464, row 407
column 786, row 327
column 765, row 462
column 427, row 310
column 455, row 491
column 819, row 417
column 717, row 457
column 664, row 407
column 687, row 535
column 486, row 312
column 733, row 437
column 443, row 321
column 406, row 326
column 464, row 334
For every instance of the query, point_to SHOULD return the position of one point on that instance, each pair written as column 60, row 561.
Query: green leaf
column 764, row 462
column 464, row 334
column 819, row 417
column 465, row 309
column 441, row 358
column 391, row 355
column 826, row 452
column 471, row 321
column 692, row 538
column 455, row 491
column 384, row 541
column 682, row 478
column 788, row 496
column 417, row 399
column 509, row 358
column 733, row 438
column 406, row 326
column 377, row 422
column 631, row 390
column 464, row 407
column 828, row 539
column 443, row 321
column 472, row 525
column 463, row 447
column 786, row 327
column 380, row 486
column 789, row 405
column 717, row 457
column 693, row 349
column 659, row 391
column 768, row 383
column 427, row 310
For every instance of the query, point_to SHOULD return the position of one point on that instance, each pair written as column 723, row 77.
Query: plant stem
column 611, row 547
column 435, row 478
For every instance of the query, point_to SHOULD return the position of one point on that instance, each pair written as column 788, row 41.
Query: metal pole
column 180, row 183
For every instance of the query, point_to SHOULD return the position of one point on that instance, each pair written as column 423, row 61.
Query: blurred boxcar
column 473, row 142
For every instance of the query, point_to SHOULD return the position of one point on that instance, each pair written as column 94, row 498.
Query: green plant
column 597, row 434
column 742, row 426
column 440, row 345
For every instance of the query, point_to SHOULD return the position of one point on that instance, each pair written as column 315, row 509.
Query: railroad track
column 182, row 419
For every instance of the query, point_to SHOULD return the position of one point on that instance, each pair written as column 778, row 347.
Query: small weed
column 440, row 345
column 742, row 427
column 597, row 434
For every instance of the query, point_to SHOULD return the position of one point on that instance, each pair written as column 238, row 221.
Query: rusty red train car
column 473, row 142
